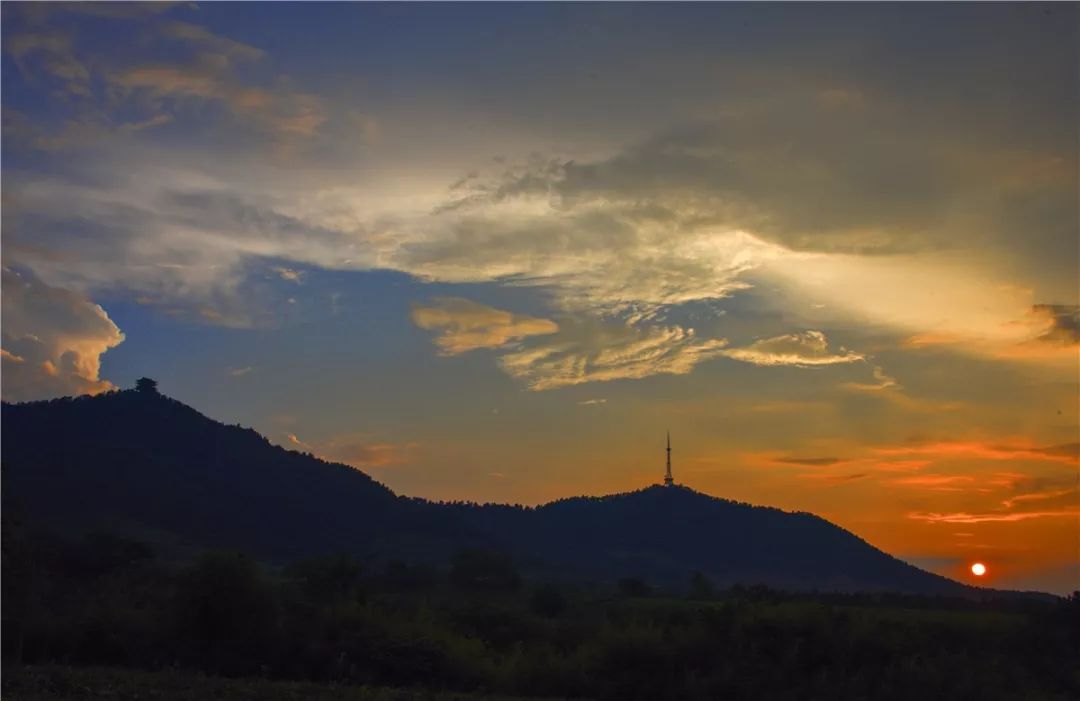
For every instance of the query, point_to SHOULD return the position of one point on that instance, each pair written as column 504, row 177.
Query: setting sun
column 978, row 569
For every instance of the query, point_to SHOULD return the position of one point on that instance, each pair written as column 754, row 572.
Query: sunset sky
column 494, row 252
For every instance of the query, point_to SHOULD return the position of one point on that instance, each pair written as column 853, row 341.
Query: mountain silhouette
column 143, row 465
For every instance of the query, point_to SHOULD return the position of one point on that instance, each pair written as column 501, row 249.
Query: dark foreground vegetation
column 50, row 682
column 224, row 626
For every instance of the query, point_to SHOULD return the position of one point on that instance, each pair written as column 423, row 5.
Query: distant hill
column 145, row 465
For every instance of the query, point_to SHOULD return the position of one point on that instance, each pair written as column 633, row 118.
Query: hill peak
column 148, row 465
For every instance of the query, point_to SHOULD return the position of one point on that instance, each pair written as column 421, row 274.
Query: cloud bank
column 52, row 340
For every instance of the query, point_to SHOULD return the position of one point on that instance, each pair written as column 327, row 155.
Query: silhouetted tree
column 484, row 569
column 548, row 601
column 330, row 579
column 225, row 611
column 701, row 587
column 146, row 385
column 633, row 586
column 399, row 575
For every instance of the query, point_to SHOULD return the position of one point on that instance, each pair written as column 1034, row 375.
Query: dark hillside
column 144, row 465
column 148, row 465
column 662, row 530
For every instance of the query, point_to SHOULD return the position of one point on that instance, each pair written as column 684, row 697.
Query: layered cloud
column 848, row 206
column 52, row 340
column 463, row 325
column 831, row 198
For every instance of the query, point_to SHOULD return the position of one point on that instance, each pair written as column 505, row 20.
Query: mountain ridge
column 140, row 461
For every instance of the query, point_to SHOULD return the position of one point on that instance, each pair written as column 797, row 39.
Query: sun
column 978, row 569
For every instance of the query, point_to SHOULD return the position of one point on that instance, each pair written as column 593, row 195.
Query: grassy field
column 41, row 682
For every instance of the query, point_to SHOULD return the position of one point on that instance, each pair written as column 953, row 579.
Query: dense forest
column 476, row 625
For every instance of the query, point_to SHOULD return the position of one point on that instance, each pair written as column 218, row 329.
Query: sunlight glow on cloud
column 605, row 352
column 464, row 325
column 806, row 349
column 963, row 517
column 1067, row 453
column 357, row 450
column 52, row 340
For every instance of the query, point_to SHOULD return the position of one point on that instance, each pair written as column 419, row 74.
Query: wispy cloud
column 599, row 352
column 358, row 450
column 463, row 325
column 361, row 451
column 295, row 440
column 992, row 517
column 939, row 483
column 831, row 478
column 50, row 53
column 810, row 462
column 806, row 349
column 219, row 45
column 283, row 112
column 1046, row 495
column 881, row 382
column 1069, row 452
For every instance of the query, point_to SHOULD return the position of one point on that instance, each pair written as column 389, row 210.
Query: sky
column 493, row 252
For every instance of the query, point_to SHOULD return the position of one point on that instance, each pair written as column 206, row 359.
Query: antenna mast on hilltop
column 668, row 479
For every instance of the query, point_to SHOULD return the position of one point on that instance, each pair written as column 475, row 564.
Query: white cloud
column 806, row 349
column 52, row 340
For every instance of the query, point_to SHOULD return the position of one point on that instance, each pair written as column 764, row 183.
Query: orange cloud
column 357, row 450
column 1069, row 452
column 806, row 349
column 464, row 325
column 53, row 340
column 937, row 483
column 963, row 517
column 1046, row 332
column 1038, row 496
column 832, row 478
column 901, row 465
